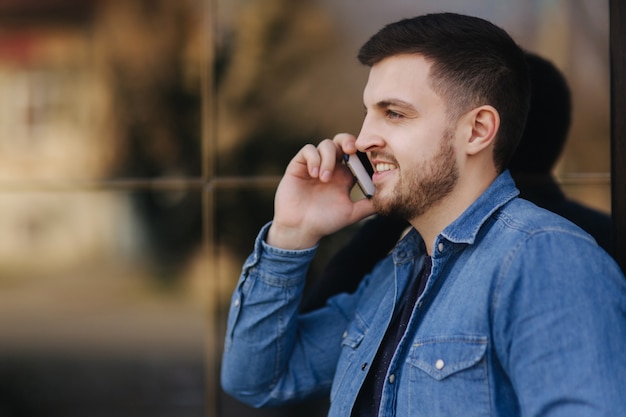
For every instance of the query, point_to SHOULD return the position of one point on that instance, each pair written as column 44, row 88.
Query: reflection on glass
column 284, row 80
column 109, row 287
column 108, row 93
column 86, row 288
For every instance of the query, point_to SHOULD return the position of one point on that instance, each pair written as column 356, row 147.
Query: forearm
column 262, row 323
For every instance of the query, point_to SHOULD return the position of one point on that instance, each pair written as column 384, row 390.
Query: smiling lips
column 383, row 166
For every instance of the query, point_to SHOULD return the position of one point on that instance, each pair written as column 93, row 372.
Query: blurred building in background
column 140, row 145
column 100, row 208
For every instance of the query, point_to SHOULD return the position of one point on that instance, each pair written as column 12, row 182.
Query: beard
column 422, row 186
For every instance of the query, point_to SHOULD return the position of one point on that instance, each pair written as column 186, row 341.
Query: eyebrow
column 384, row 104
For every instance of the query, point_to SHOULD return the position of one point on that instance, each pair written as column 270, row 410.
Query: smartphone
column 361, row 170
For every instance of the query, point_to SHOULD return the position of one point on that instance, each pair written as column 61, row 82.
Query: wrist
column 289, row 238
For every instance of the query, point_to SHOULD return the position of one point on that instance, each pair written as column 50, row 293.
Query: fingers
column 310, row 157
column 330, row 154
column 321, row 160
column 346, row 142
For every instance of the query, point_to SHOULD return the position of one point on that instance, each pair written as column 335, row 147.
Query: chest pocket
column 441, row 357
column 448, row 376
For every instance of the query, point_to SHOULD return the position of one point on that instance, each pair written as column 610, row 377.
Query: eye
column 390, row 114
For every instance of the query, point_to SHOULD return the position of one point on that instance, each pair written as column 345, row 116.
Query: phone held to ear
column 363, row 177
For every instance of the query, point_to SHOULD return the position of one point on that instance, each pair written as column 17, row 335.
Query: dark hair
column 474, row 62
column 549, row 119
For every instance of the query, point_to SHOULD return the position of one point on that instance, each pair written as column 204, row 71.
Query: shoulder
column 532, row 242
column 547, row 254
column 526, row 218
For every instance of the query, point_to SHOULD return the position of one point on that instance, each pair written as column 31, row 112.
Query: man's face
column 408, row 137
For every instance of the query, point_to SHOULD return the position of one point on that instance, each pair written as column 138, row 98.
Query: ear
column 484, row 122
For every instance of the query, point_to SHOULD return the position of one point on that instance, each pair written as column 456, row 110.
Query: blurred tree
column 144, row 49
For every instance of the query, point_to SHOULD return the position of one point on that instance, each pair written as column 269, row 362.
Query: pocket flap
column 442, row 356
column 352, row 337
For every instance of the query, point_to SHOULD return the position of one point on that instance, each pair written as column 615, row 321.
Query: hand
column 313, row 197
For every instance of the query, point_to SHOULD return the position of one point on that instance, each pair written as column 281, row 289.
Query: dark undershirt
column 368, row 400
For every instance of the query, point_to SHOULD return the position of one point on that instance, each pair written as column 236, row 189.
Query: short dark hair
column 474, row 62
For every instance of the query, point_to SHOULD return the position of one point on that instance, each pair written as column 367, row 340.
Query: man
column 545, row 134
column 489, row 306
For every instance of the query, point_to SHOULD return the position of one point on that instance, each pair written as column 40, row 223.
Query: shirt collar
column 465, row 228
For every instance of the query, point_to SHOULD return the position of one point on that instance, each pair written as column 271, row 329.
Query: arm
column 273, row 355
column 560, row 328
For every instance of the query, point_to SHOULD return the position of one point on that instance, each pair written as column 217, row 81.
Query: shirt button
column 345, row 334
column 392, row 378
column 440, row 247
column 440, row 364
column 236, row 303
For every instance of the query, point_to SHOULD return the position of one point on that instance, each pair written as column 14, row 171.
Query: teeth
column 380, row 167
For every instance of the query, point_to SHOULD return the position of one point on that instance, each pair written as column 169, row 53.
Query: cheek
column 416, row 154
column 419, row 142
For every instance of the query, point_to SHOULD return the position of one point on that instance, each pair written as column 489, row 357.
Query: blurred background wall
column 140, row 145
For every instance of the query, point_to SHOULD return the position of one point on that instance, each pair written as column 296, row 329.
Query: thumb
column 362, row 209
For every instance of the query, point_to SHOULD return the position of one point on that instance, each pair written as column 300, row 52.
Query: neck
column 440, row 215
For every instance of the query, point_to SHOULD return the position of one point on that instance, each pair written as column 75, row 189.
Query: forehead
column 400, row 77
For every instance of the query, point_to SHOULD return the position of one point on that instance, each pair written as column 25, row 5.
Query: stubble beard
column 423, row 186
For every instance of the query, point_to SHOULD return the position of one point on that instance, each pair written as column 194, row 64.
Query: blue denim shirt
column 522, row 315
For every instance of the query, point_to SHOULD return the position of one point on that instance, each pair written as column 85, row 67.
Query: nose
column 368, row 138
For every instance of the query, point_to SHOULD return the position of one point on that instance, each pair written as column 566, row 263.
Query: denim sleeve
column 272, row 355
column 560, row 327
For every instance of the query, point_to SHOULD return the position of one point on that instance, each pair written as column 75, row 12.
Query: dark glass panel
column 102, row 303
column 112, row 93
